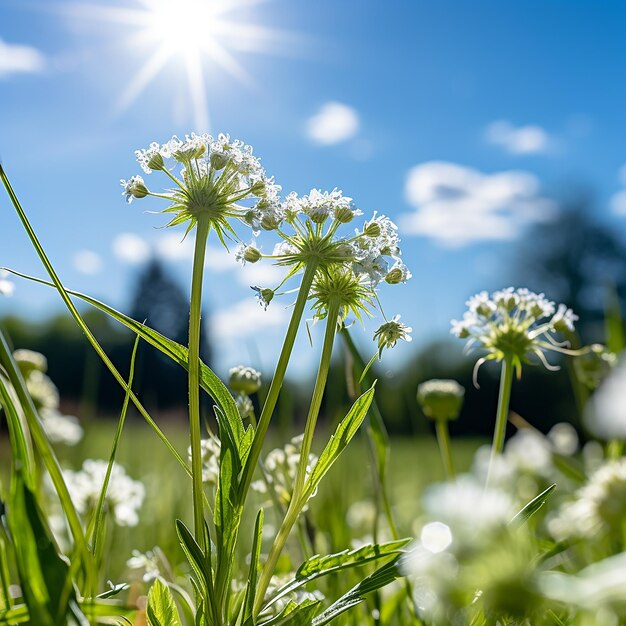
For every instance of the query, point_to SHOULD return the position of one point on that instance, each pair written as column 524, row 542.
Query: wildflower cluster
column 514, row 324
column 211, row 448
column 45, row 396
column 281, row 467
column 214, row 177
column 124, row 496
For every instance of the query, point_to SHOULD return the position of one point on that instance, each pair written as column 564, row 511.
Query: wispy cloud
column 131, row 248
column 530, row 139
column 87, row 262
column 457, row 205
column 618, row 201
column 333, row 123
column 19, row 59
column 245, row 318
column 172, row 247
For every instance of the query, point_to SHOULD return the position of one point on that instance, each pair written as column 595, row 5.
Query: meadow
column 228, row 521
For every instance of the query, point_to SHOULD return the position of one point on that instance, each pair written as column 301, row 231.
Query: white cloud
column 246, row 318
column 16, row 59
column 333, row 123
column 528, row 139
column 87, row 262
column 131, row 248
column 457, row 205
column 262, row 274
column 172, row 247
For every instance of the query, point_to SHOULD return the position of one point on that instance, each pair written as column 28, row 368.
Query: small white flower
column 60, row 428
column 146, row 561
column 134, row 187
column 389, row 333
column 210, row 454
column 124, row 495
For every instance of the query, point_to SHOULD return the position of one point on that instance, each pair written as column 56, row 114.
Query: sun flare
column 191, row 34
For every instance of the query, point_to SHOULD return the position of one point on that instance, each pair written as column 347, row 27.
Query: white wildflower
column 148, row 562
column 60, row 428
column 124, row 495
column 389, row 333
column 211, row 449
column 514, row 324
column 244, row 379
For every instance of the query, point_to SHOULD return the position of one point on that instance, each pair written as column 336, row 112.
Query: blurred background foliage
column 573, row 259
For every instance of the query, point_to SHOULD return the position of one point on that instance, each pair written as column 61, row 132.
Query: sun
column 191, row 34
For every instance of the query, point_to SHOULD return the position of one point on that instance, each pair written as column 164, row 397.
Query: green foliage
column 161, row 608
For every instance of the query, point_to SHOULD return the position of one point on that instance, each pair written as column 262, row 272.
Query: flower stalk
column 443, row 439
column 298, row 497
column 195, row 312
column 502, row 415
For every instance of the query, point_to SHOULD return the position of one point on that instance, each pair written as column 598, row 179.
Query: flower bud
column 271, row 220
column 251, row 254
column 258, row 189
column 264, row 295
column 245, row 380
column 155, row 162
column 219, row 160
column 344, row 214
column 441, row 399
column 244, row 405
column 372, row 229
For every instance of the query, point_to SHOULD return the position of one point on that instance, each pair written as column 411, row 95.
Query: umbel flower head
column 214, row 178
column 514, row 324
column 349, row 267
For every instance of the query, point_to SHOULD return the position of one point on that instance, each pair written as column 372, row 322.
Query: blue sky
column 462, row 121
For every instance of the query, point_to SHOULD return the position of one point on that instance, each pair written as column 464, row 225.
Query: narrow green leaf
column 295, row 614
column 161, row 608
column 48, row 590
column 198, row 561
column 380, row 578
column 532, row 507
column 318, row 566
column 346, row 430
column 255, row 563
column 209, row 381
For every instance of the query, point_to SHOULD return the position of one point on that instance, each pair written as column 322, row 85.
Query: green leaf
column 346, row 430
column 381, row 577
column 318, row 566
column 295, row 614
column 161, row 609
column 255, row 558
column 209, row 381
column 45, row 579
column 532, row 507
column 199, row 562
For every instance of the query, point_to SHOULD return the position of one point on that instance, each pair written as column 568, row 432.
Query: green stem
column 297, row 502
column 224, row 567
column 195, row 312
column 277, row 381
column 443, row 439
column 502, row 416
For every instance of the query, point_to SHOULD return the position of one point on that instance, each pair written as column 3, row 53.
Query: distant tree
column 576, row 260
column 162, row 303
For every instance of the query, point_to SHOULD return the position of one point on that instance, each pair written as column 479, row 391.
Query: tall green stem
column 297, row 503
column 277, row 380
column 502, row 416
column 195, row 312
column 443, row 439
column 224, row 567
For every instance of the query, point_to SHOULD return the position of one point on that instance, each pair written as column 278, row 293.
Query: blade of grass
column 80, row 322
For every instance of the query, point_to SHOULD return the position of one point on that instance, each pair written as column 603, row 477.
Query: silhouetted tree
column 160, row 301
column 576, row 260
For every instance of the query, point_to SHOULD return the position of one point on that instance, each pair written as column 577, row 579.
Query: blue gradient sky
column 503, row 106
